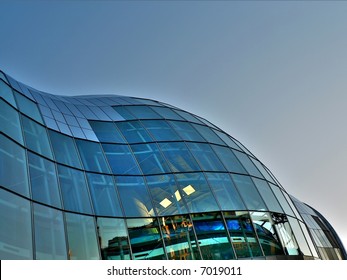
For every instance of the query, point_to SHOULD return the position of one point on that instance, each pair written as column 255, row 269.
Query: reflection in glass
column 167, row 113
column 6, row 93
column 283, row 202
column 134, row 132
column 228, row 159
column 9, row 122
column 299, row 236
column 113, row 239
column 248, row 164
column 28, row 107
column 143, row 112
column 208, row 134
column 186, row 131
column 268, row 195
column 160, row 130
column 107, row 132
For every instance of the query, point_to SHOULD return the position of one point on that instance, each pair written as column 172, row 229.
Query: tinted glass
column 189, row 117
column 283, row 202
column 36, row 137
column 13, row 167
column 186, row 131
column 248, row 164
column 268, row 196
column 92, row 156
column 104, row 196
column 208, row 134
column 9, row 122
column 49, row 234
column 134, row 132
column 227, row 140
column 15, row 230
column 121, row 159
column 64, row 149
column 299, row 236
column 43, row 178
column 160, row 130
column 7, row 94
column 28, row 107
column 228, row 159
column 167, row 113
column 262, row 170
column 124, row 112
column 107, row 132
column 143, row 112
column 83, row 243
column 74, row 190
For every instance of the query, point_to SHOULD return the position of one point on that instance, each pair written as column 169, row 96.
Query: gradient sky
column 271, row 74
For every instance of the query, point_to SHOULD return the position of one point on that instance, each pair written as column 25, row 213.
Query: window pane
column 166, row 195
column 248, row 164
column 299, row 236
column 143, row 112
column 134, row 132
column 28, row 107
column 268, row 196
column 7, row 94
column 134, row 197
column 121, row 159
column 36, row 137
column 167, row 113
column 189, row 117
column 74, row 190
column 83, row 244
column 64, row 149
column 161, row 130
column 107, row 132
column 227, row 140
column 206, row 157
column 114, row 239
column 262, row 170
column 225, row 191
column 43, row 178
column 124, row 112
column 228, row 159
column 196, row 192
column 283, row 202
column 249, row 192
column 178, row 156
column 208, row 134
column 104, row 196
column 9, row 122
column 212, row 237
column 13, row 167
column 186, row 131
column 49, row 234
column 15, row 230
column 92, row 156
column 150, row 159
column 145, row 239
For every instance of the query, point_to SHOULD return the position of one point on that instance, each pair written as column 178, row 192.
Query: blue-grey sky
column 271, row 74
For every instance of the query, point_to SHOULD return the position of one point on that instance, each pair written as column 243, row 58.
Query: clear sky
column 271, row 74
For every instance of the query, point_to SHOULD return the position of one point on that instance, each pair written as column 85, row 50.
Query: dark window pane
column 145, row 239
column 134, row 197
column 225, row 191
column 107, row 132
column 206, row 157
column 167, row 113
column 49, row 234
column 150, row 159
column 83, row 244
column 43, row 178
column 15, row 230
column 28, row 107
column 161, row 130
column 124, row 112
column 186, row 131
column 113, row 239
column 143, row 112
column 104, row 195
column 248, row 164
column 134, row 132
column 36, row 137
column 268, row 196
column 64, row 149
column 166, row 195
column 121, row 159
column 249, row 192
column 13, row 167
column 179, row 157
column 196, row 192
column 9, row 122
column 74, row 190
column 92, row 156
column 208, row 134
column 228, row 159
column 7, row 94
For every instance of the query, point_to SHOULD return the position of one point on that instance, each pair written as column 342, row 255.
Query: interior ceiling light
column 165, row 202
column 189, row 189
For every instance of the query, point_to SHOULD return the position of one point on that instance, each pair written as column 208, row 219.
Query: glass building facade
column 115, row 177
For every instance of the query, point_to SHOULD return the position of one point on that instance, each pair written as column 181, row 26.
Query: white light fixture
column 177, row 195
column 165, row 202
column 189, row 189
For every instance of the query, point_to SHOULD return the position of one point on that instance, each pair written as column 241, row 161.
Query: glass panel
column 166, row 195
column 225, row 191
column 124, row 112
column 309, row 240
column 268, row 238
column 113, row 239
column 167, row 113
column 13, row 167
column 179, row 238
column 208, row 134
column 283, row 202
column 262, row 170
column 49, row 234
column 242, row 234
column 145, row 239
column 160, row 130
column 83, row 243
column 134, row 132
column 248, row 164
column 212, row 237
column 36, row 137
column 64, row 149
column 228, row 159
column 7, row 94
column 134, row 197
column 92, row 156
column 28, row 107
column 15, row 230
column 268, row 196
column 186, row 131
column 121, row 159
column 297, row 215
column 104, row 195
column 206, row 157
column 2, row 76
column 189, row 117
column 143, row 112
column 43, row 178
column 196, row 192
column 107, row 132
column 227, row 140
column 299, row 236
column 249, row 192
column 150, row 159
column 9, row 122
column 74, row 190
column 178, row 156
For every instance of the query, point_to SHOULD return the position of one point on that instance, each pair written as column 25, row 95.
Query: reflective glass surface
column 134, row 132
column 299, row 236
column 124, row 112
column 6, row 93
column 186, row 131
column 107, row 132
column 248, row 164
column 282, row 200
column 28, row 107
column 9, row 122
column 208, row 134
column 228, row 159
column 167, row 113
column 268, row 196
column 160, row 130
column 143, row 112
